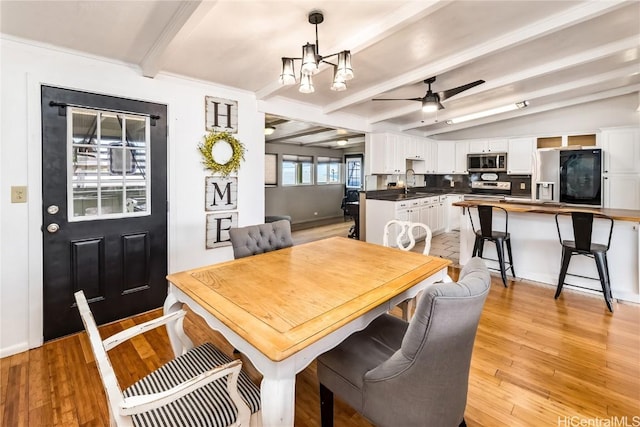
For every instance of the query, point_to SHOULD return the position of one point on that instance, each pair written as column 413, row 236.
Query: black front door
column 104, row 195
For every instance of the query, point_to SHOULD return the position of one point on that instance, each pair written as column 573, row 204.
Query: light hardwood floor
column 536, row 362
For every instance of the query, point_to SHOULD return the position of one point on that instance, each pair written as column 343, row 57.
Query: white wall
column 24, row 68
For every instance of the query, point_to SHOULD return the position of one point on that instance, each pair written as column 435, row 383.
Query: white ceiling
column 552, row 53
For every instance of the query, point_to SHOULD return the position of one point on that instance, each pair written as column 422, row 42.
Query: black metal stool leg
column 606, row 269
column 604, row 278
column 500, row 250
column 475, row 247
column 480, row 247
column 566, row 258
column 508, row 242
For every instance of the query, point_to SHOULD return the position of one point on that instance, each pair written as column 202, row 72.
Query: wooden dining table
column 284, row 308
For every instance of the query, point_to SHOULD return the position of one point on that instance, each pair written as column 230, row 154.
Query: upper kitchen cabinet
column 519, row 155
column 415, row 148
column 462, row 149
column 431, row 151
column 621, row 148
column 416, row 152
column 488, row 146
column 621, row 171
column 446, row 163
column 383, row 154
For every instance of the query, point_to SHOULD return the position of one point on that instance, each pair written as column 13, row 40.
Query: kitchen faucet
column 409, row 177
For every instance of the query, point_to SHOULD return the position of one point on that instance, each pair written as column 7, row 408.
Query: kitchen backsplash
column 463, row 182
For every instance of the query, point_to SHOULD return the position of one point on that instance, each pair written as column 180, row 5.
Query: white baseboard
column 14, row 349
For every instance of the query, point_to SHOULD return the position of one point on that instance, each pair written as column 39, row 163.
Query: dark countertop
column 397, row 195
column 553, row 208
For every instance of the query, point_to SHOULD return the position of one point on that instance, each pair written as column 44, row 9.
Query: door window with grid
column 108, row 164
column 354, row 172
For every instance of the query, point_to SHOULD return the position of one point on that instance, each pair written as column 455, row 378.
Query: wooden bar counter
column 537, row 251
column 553, row 208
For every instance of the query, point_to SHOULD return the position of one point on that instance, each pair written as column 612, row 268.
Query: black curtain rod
column 62, row 105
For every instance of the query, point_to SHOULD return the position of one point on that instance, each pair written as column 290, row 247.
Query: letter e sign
column 221, row 115
column 218, row 225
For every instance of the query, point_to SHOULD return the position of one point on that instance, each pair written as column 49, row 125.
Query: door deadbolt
column 52, row 228
column 53, row 209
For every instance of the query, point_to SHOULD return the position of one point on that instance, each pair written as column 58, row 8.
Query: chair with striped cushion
column 203, row 387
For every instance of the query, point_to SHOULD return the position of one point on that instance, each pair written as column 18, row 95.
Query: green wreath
column 223, row 168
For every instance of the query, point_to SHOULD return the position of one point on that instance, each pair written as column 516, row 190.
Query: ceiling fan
column 432, row 101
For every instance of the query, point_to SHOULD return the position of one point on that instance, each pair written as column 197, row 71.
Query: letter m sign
column 221, row 194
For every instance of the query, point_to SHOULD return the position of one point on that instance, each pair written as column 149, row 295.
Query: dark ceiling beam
column 294, row 135
column 275, row 122
column 351, row 136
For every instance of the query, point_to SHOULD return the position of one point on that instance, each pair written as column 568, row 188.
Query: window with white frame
column 329, row 169
column 297, row 170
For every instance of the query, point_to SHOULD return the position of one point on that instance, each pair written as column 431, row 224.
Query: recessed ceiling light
column 342, row 142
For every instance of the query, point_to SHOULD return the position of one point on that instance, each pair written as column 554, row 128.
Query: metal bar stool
column 582, row 245
column 499, row 238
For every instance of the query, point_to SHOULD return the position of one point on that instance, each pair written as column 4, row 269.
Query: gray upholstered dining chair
column 411, row 374
column 258, row 239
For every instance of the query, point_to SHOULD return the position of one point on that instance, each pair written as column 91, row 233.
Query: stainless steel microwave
column 487, row 162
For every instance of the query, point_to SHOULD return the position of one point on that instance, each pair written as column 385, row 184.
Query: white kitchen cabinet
column 488, row 146
column 432, row 213
column 384, row 154
column 446, row 163
column 621, row 171
column 427, row 210
column 427, row 215
column 439, row 224
column 453, row 213
column 462, row 149
column 622, row 191
column 520, row 155
column 416, row 152
column 431, row 156
column 621, row 148
column 408, row 210
column 415, row 148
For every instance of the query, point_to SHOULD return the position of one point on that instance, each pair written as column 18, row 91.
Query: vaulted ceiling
column 553, row 54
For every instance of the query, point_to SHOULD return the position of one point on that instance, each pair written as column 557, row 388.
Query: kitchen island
column 537, row 252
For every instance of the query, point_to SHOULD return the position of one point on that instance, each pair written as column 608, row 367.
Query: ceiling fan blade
column 451, row 92
column 397, row 99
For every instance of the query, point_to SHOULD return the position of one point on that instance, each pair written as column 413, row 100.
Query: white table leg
column 278, row 397
column 180, row 342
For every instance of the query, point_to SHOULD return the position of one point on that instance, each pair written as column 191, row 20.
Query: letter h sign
column 221, row 115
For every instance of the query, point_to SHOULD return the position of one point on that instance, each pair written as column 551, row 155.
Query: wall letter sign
column 218, row 225
column 221, row 115
column 221, row 194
